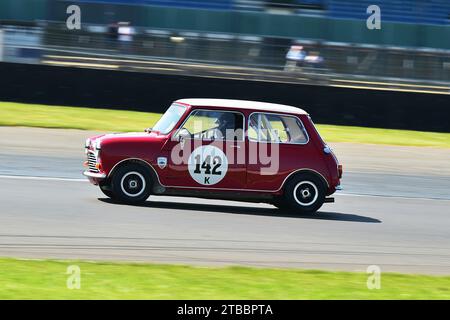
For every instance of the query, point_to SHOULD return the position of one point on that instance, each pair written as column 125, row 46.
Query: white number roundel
column 207, row 165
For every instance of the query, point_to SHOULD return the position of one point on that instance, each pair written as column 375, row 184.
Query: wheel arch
column 311, row 172
column 141, row 162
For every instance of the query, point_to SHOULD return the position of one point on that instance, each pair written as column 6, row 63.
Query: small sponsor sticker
column 162, row 162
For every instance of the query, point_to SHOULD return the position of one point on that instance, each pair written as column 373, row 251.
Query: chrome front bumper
column 94, row 175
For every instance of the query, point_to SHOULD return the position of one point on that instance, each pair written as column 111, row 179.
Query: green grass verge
column 45, row 279
column 384, row 136
column 30, row 115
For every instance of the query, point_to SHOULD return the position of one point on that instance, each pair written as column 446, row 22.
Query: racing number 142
column 216, row 163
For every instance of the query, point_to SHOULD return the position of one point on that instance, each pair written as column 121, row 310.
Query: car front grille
column 92, row 161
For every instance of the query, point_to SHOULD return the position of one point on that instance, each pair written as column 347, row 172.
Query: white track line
column 338, row 193
column 42, row 178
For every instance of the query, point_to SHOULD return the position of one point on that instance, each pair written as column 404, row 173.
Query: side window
column 295, row 130
column 279, row 132
column 214, row 125
column 276, row 128
column 258, row 128
column 253, row 127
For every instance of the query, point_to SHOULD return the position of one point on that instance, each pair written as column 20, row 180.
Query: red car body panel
column 244, row 177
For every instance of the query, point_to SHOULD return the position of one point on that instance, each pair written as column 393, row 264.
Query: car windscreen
column 169, row 119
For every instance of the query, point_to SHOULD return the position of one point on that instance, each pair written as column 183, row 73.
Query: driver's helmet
column 226, row 120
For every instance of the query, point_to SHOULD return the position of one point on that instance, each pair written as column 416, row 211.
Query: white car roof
column 242, row 104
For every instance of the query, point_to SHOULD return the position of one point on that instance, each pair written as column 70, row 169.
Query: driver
column 226, row 126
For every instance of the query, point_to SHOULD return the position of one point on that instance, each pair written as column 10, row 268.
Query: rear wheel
column 305, row 193
column 131, row 184
column 280, row 203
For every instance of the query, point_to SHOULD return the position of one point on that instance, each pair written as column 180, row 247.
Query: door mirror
column 183, row 134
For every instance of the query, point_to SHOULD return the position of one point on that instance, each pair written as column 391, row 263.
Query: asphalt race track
column 394, row 212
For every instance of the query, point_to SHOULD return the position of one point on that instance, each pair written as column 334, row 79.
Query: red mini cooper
column 219, row 149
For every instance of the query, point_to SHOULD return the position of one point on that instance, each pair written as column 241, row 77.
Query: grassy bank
column 42, row 279
column 28, row 115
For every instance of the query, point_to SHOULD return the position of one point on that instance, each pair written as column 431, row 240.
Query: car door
column 277, row 145
column 208, row 151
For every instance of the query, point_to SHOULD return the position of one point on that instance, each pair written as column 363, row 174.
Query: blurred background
column 412, row 45
column 295, row 42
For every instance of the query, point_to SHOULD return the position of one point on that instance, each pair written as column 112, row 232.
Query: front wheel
column 131, row 184
column 106, row 189
column 305, row 193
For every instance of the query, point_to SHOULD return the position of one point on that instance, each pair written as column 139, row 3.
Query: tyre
column 106, row 189
column 131, row 184
column 280, row 203
column 305, row 193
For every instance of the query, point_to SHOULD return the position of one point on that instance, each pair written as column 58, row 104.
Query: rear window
column 276, row 128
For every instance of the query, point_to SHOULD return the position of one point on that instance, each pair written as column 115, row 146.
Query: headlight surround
column 98, row 144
